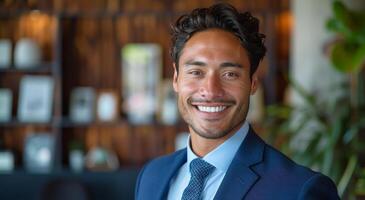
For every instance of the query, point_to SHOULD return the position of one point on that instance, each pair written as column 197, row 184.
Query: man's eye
column 195, row 73
column 230, row 75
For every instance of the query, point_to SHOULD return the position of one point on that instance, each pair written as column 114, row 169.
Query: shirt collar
column 222, row 156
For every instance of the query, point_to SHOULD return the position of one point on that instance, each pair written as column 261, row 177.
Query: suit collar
column 168, row 172
column 240, row 176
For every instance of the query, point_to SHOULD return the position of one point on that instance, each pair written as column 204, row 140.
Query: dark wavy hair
column 222, row 16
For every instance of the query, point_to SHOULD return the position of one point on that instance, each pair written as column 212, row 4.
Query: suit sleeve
column 319, row 187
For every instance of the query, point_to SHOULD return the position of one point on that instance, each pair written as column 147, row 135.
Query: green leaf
column 339, row 11
column 347, row 175
column 350, row 134
column 282, row 112
column 347, row 57
column 328, row 160
column 333, row 25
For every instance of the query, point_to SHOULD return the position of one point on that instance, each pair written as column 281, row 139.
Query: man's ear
column 174, row 81
column 254, row 83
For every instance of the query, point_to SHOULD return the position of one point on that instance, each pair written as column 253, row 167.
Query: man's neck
column 202, row 146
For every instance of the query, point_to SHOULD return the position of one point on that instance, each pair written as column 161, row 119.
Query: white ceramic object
column 5, row 53
column 6, row 161
column 27, row 54
column 76, row 160
column 107, row 107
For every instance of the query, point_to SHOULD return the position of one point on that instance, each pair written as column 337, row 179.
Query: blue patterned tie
column 199, row 170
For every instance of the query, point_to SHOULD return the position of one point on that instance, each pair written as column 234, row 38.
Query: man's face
column 213, row 84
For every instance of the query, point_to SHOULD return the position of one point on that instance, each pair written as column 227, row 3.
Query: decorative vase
column 27, row 54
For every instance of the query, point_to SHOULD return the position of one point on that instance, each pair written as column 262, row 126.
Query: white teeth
column 212, row 109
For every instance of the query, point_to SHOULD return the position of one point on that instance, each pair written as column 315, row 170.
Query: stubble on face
column 212, row 133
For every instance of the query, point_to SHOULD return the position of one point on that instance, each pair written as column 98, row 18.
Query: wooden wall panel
column 7, row 28
column 73, row 6
column 109, row 64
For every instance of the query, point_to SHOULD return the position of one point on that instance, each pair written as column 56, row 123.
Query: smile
column 211, row 109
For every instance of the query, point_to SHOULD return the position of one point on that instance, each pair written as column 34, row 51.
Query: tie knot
column 200, row 168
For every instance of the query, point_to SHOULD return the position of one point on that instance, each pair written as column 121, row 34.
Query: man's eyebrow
column 194, row 62
column 231, row 64
column 200, row 63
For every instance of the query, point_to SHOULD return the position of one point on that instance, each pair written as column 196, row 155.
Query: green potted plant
column 334, row 124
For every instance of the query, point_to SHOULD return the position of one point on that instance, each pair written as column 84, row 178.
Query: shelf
column 68, row 123
column 46, row 68
column 16, row 123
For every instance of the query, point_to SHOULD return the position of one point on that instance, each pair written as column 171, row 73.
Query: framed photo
column 35, row 99
column 39, row 152
column 141, row 74
column 82, row 105
column 6, row 101
column 107, row 106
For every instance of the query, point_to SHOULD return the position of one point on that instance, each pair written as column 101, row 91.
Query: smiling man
column 216, row 52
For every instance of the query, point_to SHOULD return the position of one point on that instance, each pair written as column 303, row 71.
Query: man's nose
column 211, row 87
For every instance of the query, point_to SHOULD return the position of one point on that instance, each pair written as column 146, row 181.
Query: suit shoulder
column 279, row 170
column 319, row 187
column 159, row 170
column 165, row 160
column 287, row 166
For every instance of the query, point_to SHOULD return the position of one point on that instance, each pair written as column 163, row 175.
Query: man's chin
column 210, row 133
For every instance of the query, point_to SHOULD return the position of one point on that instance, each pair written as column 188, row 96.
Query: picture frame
column 6, row 103
column 39, row 152
column 82, row 104
column 141, row 74
column 107, row 108
column 35, row 99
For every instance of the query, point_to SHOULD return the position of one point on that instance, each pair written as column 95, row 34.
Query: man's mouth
column 211, row 109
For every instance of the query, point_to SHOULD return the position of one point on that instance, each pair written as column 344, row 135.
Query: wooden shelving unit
column 85, row 50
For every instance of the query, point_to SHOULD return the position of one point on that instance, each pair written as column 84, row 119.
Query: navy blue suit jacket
column 258, row 171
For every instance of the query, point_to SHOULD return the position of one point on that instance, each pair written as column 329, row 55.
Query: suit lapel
column 240, row 177
column 167, row 173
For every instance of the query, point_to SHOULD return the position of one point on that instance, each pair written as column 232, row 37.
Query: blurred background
column 86, row 96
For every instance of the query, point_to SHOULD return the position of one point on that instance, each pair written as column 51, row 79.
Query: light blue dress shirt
column 221, row 157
